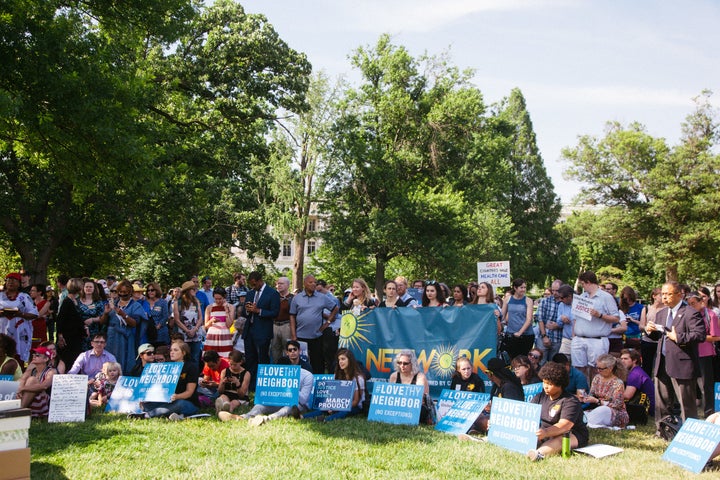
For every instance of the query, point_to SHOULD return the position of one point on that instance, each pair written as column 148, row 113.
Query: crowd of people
column 628, row 362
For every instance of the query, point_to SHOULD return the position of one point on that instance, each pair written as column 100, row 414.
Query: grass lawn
column 111, row 446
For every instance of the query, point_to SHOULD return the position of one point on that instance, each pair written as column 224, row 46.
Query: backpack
column 669, row 426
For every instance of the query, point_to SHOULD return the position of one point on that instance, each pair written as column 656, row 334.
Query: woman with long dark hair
column 517, row 314
column 346, row 368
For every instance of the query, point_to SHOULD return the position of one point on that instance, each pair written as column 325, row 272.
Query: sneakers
column 464, row 437
column 295, row 412
column 138, row 416
column 174, row 417
column 535, row 456
column 221, row 405
column 227, row 416
column 258, row 420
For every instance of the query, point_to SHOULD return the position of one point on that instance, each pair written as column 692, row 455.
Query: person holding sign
column 561, row 413
column 486, row 296
column 408, row 372
column 184, row 401
column 234, row 384
column 346, row 368
column 591, row 335
column 35, row 384
column 517, row 313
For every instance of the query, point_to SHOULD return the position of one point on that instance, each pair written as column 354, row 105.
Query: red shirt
column 213, row 374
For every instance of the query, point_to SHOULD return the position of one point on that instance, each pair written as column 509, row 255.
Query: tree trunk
column 298, row 261
column 671, row 273
column 380, row 262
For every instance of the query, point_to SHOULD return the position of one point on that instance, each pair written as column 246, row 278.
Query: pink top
column 707, row 349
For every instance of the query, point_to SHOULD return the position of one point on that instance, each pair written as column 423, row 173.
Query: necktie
column 668, row 325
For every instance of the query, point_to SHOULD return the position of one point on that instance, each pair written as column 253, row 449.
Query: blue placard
column 717, row 397
column 125, row 396
column 461, row 416
column 415, row 293
column 514, row 424
column 7, row 378
column 531, row 390
column 158, row 381
column 8, row 389
column 334, row 395
column 692, row 446
column 278, row 385
column 448, row 398
column 396, row 403
column 317, row 377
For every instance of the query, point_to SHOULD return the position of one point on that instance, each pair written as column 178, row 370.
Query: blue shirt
column 307, row 310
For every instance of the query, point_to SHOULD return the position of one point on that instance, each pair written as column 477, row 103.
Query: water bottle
column 566, row 451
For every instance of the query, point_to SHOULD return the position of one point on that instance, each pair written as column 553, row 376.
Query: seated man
column 90, row 363
column 260, row 414
column 210, row 380
column 292, row 352
column 146, row 354
column 578, row 381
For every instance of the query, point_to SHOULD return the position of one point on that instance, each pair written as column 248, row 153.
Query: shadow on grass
column 360, row 429
column 47, row 470
column 48, row 438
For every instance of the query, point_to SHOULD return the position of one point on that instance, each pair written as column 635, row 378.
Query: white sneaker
column 259, row 420
column 174, row 417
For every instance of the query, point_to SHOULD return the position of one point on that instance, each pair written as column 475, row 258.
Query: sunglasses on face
column 292, row 349
column 404, row 364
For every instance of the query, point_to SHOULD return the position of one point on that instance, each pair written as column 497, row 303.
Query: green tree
column 528, row 197
column 667, row 197
column 395, row 136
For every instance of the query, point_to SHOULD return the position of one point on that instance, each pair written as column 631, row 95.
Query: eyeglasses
column 292, row 349
column 99, row 342
column 431, row 282
column 151, row 290
column 404, row 364
column 149, row 352
column 113, row 291
column 602, row 369
column 36, row 354
column 535, row 356
column 519, row 366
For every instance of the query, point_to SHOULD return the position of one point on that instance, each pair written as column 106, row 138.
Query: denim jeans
column 162, row 409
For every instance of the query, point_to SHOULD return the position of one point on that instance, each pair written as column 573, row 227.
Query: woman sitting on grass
column 185, row 399
column 346, row 368
column 36, row 382
column 464, row 378
column 607, row 394
column 408, row 372
column 233, row 385
column 560, row 413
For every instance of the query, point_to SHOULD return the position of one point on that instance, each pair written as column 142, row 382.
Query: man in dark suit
column 679, row 329
column 262, row 305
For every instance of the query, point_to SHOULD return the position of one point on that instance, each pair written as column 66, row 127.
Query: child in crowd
column 104, row 384
column 234, row 384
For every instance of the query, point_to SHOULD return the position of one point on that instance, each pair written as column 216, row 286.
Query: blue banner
column 531, row 390
column 158, row 381
column 449, row 397
column 437, row 335
column 463, row 413
column 333, row 395
column 692, row 446
column 514, row 424
column 124, row 397
column 717, row 397
column 278, row 385
column 396, row 403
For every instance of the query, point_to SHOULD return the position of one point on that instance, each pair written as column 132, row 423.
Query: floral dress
column 611, row 391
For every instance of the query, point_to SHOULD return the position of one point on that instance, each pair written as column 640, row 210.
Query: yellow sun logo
column 352, row 330
column 443, row 362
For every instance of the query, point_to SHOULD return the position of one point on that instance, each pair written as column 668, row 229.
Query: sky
column 578, row 63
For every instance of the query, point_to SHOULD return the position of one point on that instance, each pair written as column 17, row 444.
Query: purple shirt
column 639, row 379
column 90, row 364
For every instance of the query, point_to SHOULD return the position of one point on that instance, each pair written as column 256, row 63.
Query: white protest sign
column 68, row 399
column 8, row 389
column 581, row 307
column 496, row 274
